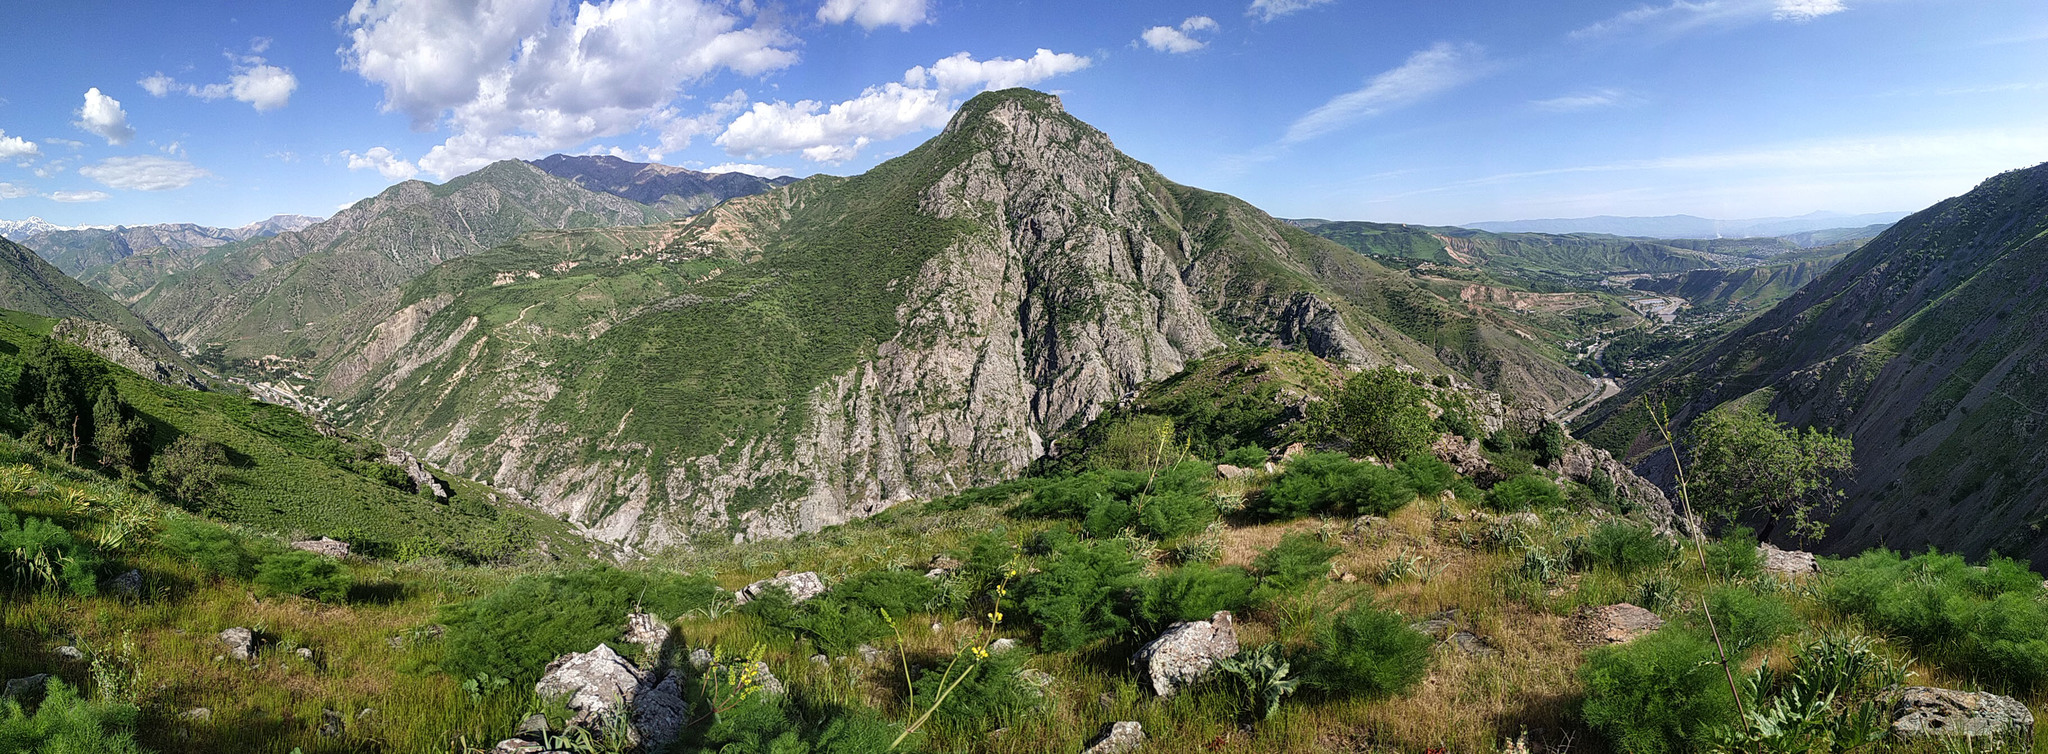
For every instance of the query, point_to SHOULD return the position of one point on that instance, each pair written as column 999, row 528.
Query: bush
column 1429, row 475
column 1169, row 515
column 1735, row 555
column 1625, row 548
column 38, row 554
column 770, row 724
column 1259, row 678
column 1663, row 692
column 1322, row 482
column 1985, row 623
column 898, row 591
column 1249, row 456
column 65, row 723
column 1078, row 597
column 515, row 631
column 1748, row 620
column 1168, row 503
column 212, row 548
column 991, row 695
column 1194, row 592
column 1383, row 414
column 851, row 613
column 1365, row 651
column 303, row 574
column 1300, row 559
column 191, row 470
column 1528, row 492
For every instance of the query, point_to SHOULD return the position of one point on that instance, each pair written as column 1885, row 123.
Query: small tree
column 1747, row 462
column 1383, row 414
column 191, row 470
column 117, row 433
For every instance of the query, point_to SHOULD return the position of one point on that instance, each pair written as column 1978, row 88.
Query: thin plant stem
column 1662, row 420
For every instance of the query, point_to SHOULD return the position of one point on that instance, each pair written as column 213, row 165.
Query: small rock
column 1925, row 713
column 1473, row 645
column 593, row 682
column 700, row 658
column 871, row 655
column 1348, row 577
column 128, row 584
column 332, row 548
column 1184, row 651
column 650, row 632
column 1117, row 738
column 944, row 563
column 534, row 726
column 1035, row 678
column 26, row 690
column 518, row 746
column 1228, row 471
column 820, row 660
column 69, row 652
column 1613, row 624
column 937, row 627
column 241, row 642
column 769, row 683
column 199, row 714
column 1270, row 468
column 801, row 586
column 332, row 724
column 1002, row 645
column 1292, row 451
column 1787, row 562
column 1438, row 626
column 305, row 653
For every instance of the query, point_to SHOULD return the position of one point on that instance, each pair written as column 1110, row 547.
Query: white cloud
column 79, row 196
column 1267, row 10
column 517, row 78
column 255, row 81
column 1680, row 16
column 677, row 131
column 102, row 115
column 1441, row 67
column 923, row 100
column 144, row 173
column 749, row 168
column 382, row 160
column 64, row 143
column 11, row 191
column 1182, row 39
column 1588, row 100
column 871, row 14
column 12, row 147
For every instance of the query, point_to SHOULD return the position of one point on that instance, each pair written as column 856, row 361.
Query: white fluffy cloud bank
column 381, row 159
column 1441, row 67
column 144, row 173
column 1184, row 38
column 1267, row 10
column 15, row 147
column 102, row 115
column 255, row 81
column 924, row 99
column 517, row 78
column 871, row 14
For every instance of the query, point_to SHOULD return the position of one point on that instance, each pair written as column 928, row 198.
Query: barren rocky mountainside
column 1927, row 346
column 798, row 358
column 679, row 191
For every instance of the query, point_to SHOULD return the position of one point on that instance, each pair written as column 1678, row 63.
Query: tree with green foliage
column 191, row 470
column 52, row 392
column 1383, row 414
column 118, row 434
column 1745, row 462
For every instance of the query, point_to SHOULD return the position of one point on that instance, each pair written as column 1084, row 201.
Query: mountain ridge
column 1688, row 226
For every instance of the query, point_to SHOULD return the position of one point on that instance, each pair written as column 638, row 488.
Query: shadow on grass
column 376, row 593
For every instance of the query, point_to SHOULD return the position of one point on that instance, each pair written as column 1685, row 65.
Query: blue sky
column 1440, row 112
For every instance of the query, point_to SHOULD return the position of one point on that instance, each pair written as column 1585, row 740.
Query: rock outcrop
column 332, row 548
column 1184, row 652
column 1613, row 624
column 1980, row 718
column 1790, row 563
column 601, row 686
column 421, row 477
column 108, row 341
column 1117, row 738
column 800, row 586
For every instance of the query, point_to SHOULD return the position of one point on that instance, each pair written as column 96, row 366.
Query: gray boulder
column 1922, row 713
column 651, row 633
column 128, row 584
column 1185, row 651
column 241, row 642
column 26, row 690
column 1787, row 562
column 333, row 548
column 601, row 686
column 1117, row 738
column 801, row 586
column 69, row 652
column 421, row 477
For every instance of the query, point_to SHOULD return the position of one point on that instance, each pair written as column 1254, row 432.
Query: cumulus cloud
column 11, row 191
column 1441, row 67
column 871, row 14
column 79, row 196
column 386, row 162
column 254, row 80
column 1681, row 16
column 1588, row 100
column 102, row 115
column 144, row 173
column 749, row 168
column 1267, row 10
column 14, row 147
column 924, row 99
column 514, row 78
column 1181, row 39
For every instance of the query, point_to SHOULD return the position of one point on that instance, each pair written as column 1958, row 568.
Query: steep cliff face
column 794, row 359
column 1927, row 347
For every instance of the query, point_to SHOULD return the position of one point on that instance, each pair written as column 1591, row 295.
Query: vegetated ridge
column 78, row 251
column 1687, row 226
column 680, row 192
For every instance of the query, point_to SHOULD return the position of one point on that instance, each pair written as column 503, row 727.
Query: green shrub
column 1663, row 692
column 835, row 625
column 1625, row 548
column 1323, row 482
column 1194, row 592
column 1528, row 492
column 1748, row 620
column 516, row 630
column 303, row 574
column 990, row 695
column 213, row 549
column 1429, row 475
column 1260, row 679
column 191, row 470
column 1249, row 456
column 1837, row 698
column 38, row 554
column 1987, row 623
column 67, row 724
column 1735, row 555
column 1383, row 414
column 1079, row 596
column 898, row 591
column 1603, row 488
column 1368, row 652
column 771, row 724
column 1169, row 515
column 1165, row 504
column 1300, row 559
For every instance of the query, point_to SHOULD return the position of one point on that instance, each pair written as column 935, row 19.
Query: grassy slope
column 1533, row 255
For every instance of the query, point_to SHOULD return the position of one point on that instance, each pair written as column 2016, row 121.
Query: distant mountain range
column 78, row 249
column 678, row 191
column 1688, row 226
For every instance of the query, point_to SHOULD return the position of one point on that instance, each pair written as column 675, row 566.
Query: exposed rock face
column 1613, row 624
column 108, row 341
column 240, row 642
column 1923, row 713
column 601, row 685
column 421, row 477
column 800, row 586
column 1467, row 457
column 1317, row 327
column 1117, row 738
column 1581, row 462
column 1787, row 562
column 1185, row 651
column 332, row 548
